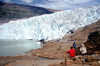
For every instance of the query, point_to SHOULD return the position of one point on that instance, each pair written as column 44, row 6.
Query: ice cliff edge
column 50, row 26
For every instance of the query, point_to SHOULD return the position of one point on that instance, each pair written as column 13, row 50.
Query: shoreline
column 56, row 51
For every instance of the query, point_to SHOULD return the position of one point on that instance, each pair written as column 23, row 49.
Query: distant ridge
column 53, row 10
column 12, row 11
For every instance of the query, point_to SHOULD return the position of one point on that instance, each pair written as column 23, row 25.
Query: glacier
column 50, row 26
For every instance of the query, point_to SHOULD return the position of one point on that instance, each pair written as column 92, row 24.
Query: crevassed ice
column 50, row 26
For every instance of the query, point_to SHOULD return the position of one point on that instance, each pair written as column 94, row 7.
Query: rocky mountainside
column 12, row 11
column 93, row 40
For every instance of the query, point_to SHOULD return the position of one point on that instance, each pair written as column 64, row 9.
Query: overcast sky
column 57, row 4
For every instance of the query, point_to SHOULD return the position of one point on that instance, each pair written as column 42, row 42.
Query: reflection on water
column 15, row 47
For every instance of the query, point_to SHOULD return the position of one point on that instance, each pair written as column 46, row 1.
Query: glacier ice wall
column 50, row 26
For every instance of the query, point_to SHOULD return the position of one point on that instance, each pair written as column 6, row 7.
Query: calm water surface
column 15, row 47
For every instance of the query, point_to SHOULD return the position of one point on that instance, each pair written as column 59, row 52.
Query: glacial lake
column 9, row 47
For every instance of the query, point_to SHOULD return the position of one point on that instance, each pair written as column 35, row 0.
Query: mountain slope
column 11, row 11
column 91, row 34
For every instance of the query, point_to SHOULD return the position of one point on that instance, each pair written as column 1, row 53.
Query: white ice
column 50, row 26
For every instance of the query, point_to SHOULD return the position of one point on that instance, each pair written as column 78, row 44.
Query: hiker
column 71, row 52
column 83, row 49
column 74, row 45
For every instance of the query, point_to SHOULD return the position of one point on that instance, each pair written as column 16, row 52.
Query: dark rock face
column 93, row 34
column 92, row 44
column 12, row 11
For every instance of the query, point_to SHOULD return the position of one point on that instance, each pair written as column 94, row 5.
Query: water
column 15, row 47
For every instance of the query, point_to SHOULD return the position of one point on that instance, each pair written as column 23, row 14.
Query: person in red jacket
column 71, row 52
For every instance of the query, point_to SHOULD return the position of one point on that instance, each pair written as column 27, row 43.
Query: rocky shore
column 53, row 53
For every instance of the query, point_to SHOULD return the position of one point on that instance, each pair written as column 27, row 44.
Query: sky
column 57, row 4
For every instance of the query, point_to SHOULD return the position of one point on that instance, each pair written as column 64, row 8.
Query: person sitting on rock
column 71, row 52
column 83, row 49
